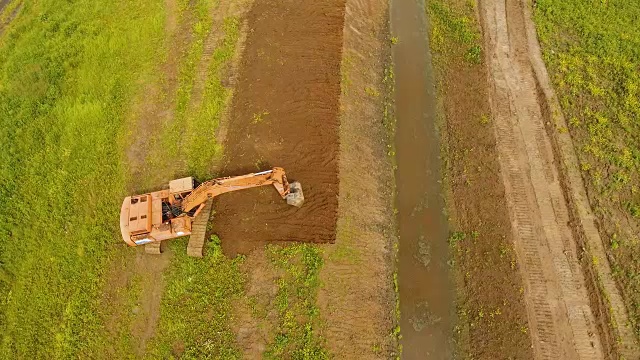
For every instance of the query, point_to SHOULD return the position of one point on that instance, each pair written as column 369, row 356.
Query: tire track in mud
column 561, row 321
column 285, row 113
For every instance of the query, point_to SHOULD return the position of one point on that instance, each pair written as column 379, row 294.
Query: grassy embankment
column 68, row 72
column 592, row 51
column 490, row 307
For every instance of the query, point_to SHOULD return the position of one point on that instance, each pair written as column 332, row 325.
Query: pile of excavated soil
column 285, row 113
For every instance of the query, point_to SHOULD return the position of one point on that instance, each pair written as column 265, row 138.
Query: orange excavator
column 149, row 219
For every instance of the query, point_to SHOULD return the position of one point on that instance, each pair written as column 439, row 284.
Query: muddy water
column 424, row 285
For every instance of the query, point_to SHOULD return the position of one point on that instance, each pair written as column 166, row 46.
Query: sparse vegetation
column 197, row 305
column 369, row 90
column 346, row 249
column 297, row 335
column 592, row 51
column 259, row 117
column 202, row 124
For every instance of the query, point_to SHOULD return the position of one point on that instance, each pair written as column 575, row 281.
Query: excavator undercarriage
column 184, row 208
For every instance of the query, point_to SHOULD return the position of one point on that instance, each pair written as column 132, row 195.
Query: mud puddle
column 426, row 297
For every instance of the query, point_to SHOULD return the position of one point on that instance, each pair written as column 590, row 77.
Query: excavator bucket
column 295, row 196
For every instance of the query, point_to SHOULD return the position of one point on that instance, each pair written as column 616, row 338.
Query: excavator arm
column 215, row 187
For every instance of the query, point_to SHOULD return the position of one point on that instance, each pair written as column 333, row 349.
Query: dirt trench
column 285, row 113
column 562, row 323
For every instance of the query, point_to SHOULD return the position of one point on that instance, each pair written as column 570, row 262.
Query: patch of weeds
column 197, row 305
column 474, row 54
column 454, row 33
column 388, row 115
column 259, row 117
column 456, row 237
column 298, row 315
column 371, row 91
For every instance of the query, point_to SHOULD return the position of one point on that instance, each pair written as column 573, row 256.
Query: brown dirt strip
column 285, row 113
column 491, row 312
column 561, row 320
column 618, row 339
column 356, row 299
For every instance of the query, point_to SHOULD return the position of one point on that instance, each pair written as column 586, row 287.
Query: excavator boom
column 215, row 187
column 168, row 214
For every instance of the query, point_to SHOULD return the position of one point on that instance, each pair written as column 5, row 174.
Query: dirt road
column 561, row 322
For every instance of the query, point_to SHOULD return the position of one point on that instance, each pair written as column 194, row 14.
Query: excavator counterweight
column 169, row 214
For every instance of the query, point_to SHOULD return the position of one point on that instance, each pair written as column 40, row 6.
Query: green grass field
column 68, row 72
column 592, row 51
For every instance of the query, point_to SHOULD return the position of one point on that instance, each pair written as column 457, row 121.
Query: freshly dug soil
column 285, row 113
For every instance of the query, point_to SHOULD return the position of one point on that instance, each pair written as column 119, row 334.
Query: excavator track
column 199, row 230
column 155, row 248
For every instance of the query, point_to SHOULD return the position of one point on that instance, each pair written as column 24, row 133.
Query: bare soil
column 485, row 264
column 285, row 113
